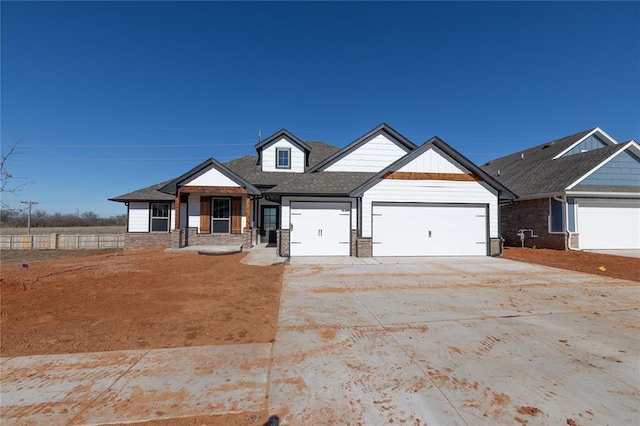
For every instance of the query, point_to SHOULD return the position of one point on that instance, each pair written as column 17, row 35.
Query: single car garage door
column 429, row 229
column 609, row 224
column 320, row 229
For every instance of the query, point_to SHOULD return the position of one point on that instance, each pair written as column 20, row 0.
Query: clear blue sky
column 109, row 97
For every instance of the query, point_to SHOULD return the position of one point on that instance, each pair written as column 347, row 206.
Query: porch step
column 208, row 250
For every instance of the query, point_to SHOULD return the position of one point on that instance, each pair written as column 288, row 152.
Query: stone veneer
column 364, row 247
column 191, row 237
column 530, row 214
column 283, row 242
column 496, row 247
column 147, row 240
column 185, row 237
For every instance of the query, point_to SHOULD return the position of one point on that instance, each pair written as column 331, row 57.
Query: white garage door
column 320, row 229
column 609, row 224
column 429, row 230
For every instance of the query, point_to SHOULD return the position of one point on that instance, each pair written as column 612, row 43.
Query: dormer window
column 283, row 158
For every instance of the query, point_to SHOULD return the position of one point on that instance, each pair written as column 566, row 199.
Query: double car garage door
column 429, row 230
column 399, row 229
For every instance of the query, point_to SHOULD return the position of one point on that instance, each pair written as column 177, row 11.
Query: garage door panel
column 609, row 224
column 429, row 230
column 320, row 229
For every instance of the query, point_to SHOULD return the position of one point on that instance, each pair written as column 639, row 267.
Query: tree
column 7, row 182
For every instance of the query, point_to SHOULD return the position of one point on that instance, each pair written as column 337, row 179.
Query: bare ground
column 626, row 268
column 136, row 300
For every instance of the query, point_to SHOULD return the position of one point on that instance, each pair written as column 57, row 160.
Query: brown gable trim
column 213, row 189
column 458, row 177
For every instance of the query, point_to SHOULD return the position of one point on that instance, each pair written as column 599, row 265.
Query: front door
column 269, row 225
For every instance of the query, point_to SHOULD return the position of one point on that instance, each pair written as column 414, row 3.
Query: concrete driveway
column 442, row 341
column 454, row 341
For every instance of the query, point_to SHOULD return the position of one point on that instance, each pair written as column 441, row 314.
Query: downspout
column 569, row 233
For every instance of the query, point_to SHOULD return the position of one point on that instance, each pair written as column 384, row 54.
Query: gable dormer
column 595, row 139
column 283, row 152
column 371, row 152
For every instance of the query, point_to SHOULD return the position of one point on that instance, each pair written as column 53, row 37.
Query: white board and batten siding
column 296, row 159
column 211, row 177
column 140, row 216
column 372, row 156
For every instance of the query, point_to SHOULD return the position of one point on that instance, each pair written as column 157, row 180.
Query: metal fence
column 61, row 241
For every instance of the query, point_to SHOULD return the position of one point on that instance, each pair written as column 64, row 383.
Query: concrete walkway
column 439, row 341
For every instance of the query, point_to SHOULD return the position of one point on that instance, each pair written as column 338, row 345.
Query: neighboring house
column 381, row 195
column 578, row 192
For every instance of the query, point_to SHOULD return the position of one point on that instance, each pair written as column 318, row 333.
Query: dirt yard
column 627, row 268
column 134, row 300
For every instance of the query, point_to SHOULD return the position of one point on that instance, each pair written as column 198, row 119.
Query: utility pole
column 30, row 204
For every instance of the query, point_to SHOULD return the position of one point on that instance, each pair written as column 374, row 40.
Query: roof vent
column 498, row 173
column 547, row 145
column 522, row 156
column 487, row 163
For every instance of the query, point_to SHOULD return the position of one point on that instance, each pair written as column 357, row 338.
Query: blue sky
column 109, row 97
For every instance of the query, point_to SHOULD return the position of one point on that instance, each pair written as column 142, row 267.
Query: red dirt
column 138, row 299
column 626, row 268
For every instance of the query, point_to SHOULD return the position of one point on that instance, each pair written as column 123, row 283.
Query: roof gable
column 282, row 133
column 460, row 165
column 594, row 139
column 390, row 134
column 622, row 168
column 202, row 173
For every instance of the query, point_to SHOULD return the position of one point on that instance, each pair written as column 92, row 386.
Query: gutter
column 563, row 200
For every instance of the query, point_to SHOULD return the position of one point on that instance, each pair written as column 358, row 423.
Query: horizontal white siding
column 138, row 217
column 285, row 210
column 373, row 156
column 432, row 161
column 269, row 157
column 211, row 177
column 430, row 191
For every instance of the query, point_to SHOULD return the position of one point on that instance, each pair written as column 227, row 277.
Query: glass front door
column 269, row 225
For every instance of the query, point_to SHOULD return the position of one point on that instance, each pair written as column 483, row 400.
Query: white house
column 381, row 195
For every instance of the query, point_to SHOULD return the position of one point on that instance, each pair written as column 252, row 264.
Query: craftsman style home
column 381, row 195
column 578, row 192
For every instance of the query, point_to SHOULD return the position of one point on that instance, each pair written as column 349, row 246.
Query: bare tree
column 7, row 180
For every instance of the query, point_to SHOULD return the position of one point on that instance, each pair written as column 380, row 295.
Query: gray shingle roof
column 245, row 167
column 249, row 169
column 322, row 183
column 150, row 193
column 534, row 171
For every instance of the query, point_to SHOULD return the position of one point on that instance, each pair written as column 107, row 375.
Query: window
column 283, row 158
column 556, row 216
column 220, row 215
column 159, row 217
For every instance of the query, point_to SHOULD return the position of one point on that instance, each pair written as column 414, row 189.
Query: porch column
column 177, row 209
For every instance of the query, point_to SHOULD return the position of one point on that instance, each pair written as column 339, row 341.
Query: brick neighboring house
column 380, row 195
column 577, row 192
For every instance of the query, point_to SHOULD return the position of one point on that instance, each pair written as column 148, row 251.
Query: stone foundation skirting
column 148, row 240
column 191, row 237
